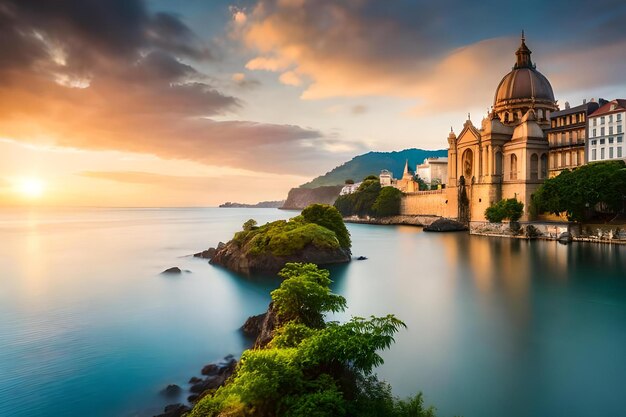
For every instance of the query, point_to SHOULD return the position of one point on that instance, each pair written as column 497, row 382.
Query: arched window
column 513, row 167
column 534, row 167
column 544, row 166
column 498, row 163
column 467, row 167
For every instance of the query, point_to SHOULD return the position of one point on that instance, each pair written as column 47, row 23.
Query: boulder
column 194, row 380
column 210, row 369
column 565, row 237
column 206, row 254
column 445, row 225
column 174, row 410
column 252, row 327
column 361, row 258
column 171, row 390
column 173, row 270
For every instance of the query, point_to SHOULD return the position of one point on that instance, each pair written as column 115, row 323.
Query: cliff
column 300, row 198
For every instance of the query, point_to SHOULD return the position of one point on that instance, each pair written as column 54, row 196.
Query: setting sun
column 30, row 187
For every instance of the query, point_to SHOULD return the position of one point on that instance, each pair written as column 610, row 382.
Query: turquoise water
column 496, row 327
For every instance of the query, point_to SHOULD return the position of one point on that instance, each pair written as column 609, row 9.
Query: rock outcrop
column 236, row 259
column 261, row 328
column 299, row 198
column 445, row 225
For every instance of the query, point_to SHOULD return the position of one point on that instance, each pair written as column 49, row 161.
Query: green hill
column 372, row 163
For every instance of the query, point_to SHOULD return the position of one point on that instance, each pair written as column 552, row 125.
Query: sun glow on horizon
column 31, row 187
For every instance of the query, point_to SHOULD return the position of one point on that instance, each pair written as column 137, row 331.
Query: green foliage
column 388, row 202
column 330, row 218
column 360, row 202
column 304, row 296
column 581, row 192
column 505, row 209
column 322, row 227
column 249, row 225
column 323, row 370
column 421, row 184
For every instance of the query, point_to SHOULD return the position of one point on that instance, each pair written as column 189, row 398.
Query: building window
column 595, row 122
column 619, row 152
column 619, row 117
column 601, row 131
column 611, row 152
column 594, row 133
column 601, row 141
column 620, row 139
column 593, row 155
column 602, row 120
column 610, row 118
column 610, row 140
column 601, row 153
column 563, row 160
column 594, row 142
column 513, row 167
column 610, row 130
column 619, row 129
column 534, row 167
column 544, row 165
column 498, row 163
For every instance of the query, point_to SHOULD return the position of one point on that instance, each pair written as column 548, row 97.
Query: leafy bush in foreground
column 312, row 367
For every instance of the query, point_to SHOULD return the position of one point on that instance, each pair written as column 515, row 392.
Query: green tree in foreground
column 578, row 193
column 505, row 209
column 312, row 367
column 388, row 202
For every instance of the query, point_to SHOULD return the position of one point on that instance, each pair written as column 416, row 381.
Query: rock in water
column 205, row 254
column 172, row 270
column 171, row 390
column 565, row 237
column 445, row 225
column 174, row 410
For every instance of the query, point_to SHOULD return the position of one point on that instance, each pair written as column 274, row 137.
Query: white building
column 350, row 188
column 433, row 171
column 606, row 132
column 386, row 178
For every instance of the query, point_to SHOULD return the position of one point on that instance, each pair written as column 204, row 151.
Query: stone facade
column 507, row 157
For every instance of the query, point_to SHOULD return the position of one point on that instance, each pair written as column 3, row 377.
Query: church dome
column 523, row 83
column 522, row 89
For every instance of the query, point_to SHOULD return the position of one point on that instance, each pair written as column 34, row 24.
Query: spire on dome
column 406, row 167
column 523, row 55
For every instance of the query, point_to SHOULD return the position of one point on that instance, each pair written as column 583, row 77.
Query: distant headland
column 262, row 204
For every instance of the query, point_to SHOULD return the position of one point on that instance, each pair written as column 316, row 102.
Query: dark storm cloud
column 112, row 74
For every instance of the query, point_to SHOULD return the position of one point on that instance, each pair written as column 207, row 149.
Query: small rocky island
column 317, row 236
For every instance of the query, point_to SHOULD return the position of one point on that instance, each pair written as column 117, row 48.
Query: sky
column 142, row 103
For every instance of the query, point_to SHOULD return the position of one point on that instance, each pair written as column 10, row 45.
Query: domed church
column 507, row 156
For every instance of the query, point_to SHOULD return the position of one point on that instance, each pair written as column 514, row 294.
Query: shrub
column 505, row 209
column 330, row 218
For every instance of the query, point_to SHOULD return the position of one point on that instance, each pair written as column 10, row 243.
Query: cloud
column 359, row 109
column 443, row 54
column 241, row 80
column 290, row 78
column 114, row 76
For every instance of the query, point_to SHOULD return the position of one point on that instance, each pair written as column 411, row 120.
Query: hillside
column 370, row 163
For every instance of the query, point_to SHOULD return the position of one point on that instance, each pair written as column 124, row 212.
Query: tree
column 329, row 217
column 249, row 225
column 584, row 192
column 421, row 184
column 505, row 209
column 304, row 296
column 388, row 202
column 349, row 181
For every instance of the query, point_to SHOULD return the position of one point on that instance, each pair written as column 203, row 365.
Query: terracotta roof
column 620, row 106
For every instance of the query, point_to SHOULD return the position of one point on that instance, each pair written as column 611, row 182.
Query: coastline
column 554, row 231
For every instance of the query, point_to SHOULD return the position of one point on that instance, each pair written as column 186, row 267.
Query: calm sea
column 89, row 327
